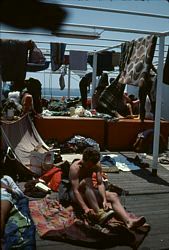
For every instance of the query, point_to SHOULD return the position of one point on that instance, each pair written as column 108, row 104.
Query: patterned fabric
column 135, row 69
column 8, row 181
column 49, row 215
column 139, row 61
column 111, row 97
column 126, row 50
column 55, row 222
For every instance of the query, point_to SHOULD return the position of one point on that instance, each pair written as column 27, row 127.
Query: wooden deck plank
column 149, row 196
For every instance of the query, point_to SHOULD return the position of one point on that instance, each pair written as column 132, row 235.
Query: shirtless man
column 99, row 203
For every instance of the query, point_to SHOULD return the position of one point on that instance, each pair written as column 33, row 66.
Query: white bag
column 41, row 161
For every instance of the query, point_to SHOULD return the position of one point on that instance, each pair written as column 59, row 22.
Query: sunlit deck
column 148, row 196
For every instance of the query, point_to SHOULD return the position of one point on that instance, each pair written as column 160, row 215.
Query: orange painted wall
column 115, row 136
column 122, row 134
column 63, row 128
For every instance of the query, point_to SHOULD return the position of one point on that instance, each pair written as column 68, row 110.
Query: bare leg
column 86, row 187
column 130, row 108
column 121, row 212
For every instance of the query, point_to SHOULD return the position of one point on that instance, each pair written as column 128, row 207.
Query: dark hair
column 91, row 154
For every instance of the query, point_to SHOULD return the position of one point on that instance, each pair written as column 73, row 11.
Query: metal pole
column 69, row 76
column 158, row 105
column 94, row 75
column 0, row 90
column 113, row 10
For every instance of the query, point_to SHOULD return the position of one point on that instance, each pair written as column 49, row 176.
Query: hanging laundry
column 126, row 50
column 115, row 58
column 13, row 59
column 35, row 54
column 104, row 62
column 57, row 51
column 78, row 60
column 36, row 59
column 139, row 61
column 136, row 68
column 166, row 69
column 62, row 79
column 111, row 99
column 61, row 82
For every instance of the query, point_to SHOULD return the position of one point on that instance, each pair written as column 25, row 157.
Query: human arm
column 8, row 183
column 74, row 179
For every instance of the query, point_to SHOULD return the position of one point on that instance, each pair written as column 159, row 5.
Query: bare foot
column 135, row 222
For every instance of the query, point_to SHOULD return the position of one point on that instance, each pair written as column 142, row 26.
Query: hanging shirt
column 78, row 60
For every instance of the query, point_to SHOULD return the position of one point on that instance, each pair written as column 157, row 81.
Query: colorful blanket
column 54, row 222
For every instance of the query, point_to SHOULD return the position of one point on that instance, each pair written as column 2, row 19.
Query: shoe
column 102, row 216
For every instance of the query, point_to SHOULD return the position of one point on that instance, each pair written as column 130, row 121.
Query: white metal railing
column 136, row 13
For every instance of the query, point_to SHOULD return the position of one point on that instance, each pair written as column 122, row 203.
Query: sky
column 160, row 7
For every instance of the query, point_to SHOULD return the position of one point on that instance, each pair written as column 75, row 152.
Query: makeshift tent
column 21, row 137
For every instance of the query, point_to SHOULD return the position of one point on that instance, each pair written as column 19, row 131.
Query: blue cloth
column 108, row 161
column 20, row 229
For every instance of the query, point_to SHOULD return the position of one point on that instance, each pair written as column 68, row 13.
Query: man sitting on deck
column 97, row 203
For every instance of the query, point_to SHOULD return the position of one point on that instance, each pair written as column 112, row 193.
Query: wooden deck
column 148, row 196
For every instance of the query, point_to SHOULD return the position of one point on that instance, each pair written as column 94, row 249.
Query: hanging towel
column 61, row 82
column 138, row 61
column 57, row 51
column 62, row 79
column 104, row 62
column 13, row 59
column 78, row 60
